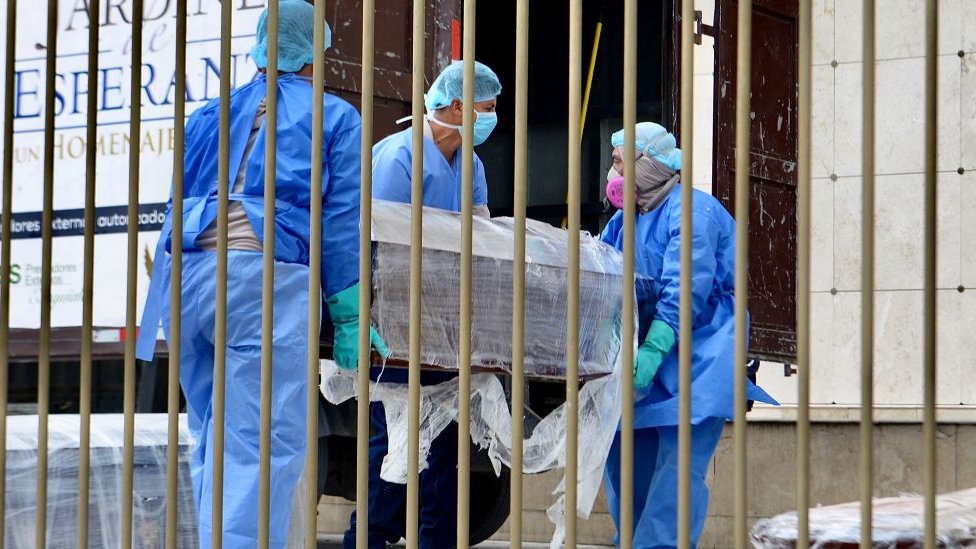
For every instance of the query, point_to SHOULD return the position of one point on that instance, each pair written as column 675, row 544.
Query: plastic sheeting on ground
column 899, row 523
column 106, row 482
column 491, row 429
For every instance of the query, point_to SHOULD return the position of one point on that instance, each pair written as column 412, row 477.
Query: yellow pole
column 586, row 94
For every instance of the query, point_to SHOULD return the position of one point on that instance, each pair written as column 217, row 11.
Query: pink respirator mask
column 615, row 192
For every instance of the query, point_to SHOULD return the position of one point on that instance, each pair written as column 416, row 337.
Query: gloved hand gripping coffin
column 493, row 245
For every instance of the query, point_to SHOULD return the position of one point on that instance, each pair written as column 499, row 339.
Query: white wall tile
column 899, row 218
column 898, row 347
column 822, row 363
column 950, row 120
column 822, row 120
column 967, row 24
column 847, row 233
column 967, row 346
column 967, row 230
column 967, row 109
column 950, row 26
column 704, row 90
column 900, row 29
column 847, row 30
column 772, row 380
column 949, row 222
column 705, row 55
column 949, row 389
column 847, row 348
column 900, row 107
column 823, row 31
column 822, row 235
column 847, row 119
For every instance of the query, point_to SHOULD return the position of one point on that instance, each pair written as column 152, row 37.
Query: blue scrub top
column 658, row 240
column 392, row 159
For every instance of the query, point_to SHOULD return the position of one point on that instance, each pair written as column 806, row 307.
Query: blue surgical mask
column 484, row 124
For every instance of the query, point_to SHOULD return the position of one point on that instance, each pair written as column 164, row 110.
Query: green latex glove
column 650, row 355
column 344, row 310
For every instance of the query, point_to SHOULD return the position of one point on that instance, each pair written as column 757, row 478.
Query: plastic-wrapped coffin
column 493, row 251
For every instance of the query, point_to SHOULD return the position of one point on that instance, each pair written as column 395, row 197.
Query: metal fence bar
column 743, row 76
column 267, row 281
column 44, row 350
column 416, row 257
column 627, row 325
column 573, row 266
column 220, row 290
column 132, row 257
column 464, row 345
column 931, row 236
column 176, row 285
column 5, row 229
column 315, row 281
column 518, row 268
column 867, row 277
column 88, row 284
column 803, row 280
column 685, row 309
column 365, row 275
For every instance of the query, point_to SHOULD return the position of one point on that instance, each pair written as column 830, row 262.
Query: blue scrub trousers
column 243, row 391
column 387, row 501
column 656, row 485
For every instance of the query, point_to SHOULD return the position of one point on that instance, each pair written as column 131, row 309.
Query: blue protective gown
column 658, row 239
column 340, row 243
column 392, row 159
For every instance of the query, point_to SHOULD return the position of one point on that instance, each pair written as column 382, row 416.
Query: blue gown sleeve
column 480, row 196
column 610, row 232
column 340, row 210
column 705, row 238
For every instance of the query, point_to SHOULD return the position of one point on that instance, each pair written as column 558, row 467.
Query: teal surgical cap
column 450, row 86
column 653, row 141
column 296, row 35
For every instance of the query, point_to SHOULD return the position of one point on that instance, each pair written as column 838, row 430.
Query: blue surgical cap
column 296, row 36
column 654, row 141
column 449, row 85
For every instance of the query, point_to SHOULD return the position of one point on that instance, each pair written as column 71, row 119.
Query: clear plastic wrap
column 105, row 499
column 493, row 248
column 899, row 523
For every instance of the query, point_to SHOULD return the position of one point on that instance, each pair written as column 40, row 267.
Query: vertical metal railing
column 365, row 275
column 87, row 314
column 929, row 306
column 573, row 266
column 867, row 277
column 219, row 390
column 803, row 278
column 44, row 348
column 685, row 309
column 267, row 280
column 132, row 272
column 416, row 258
column 464, row 345
column 518, row 268
column 743, row 121
column 5, row 262
column 315, row 280
column 629, row 257
column 176, row 285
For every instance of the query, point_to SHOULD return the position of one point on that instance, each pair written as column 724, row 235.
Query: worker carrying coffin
column 340, row 252
column 657, row 248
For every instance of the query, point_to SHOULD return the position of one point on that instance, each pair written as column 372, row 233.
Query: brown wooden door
column 773, row 158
